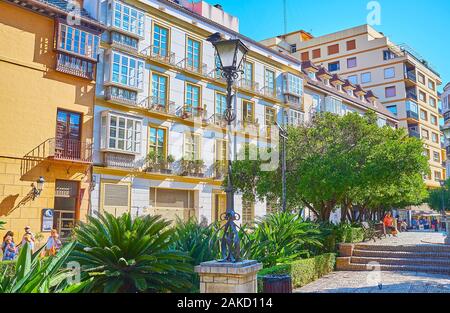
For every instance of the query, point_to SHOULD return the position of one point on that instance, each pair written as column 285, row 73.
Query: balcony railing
column 248, row 85
column 413, row 133
column 201, row 69
column 120, row 160
column 157, row 104
column 192, row 113
column 62, row 149
column 119, row 95
column 412, row 115
column 158, row 54
column 76, row 66
column 219, row 120
column 269, row 92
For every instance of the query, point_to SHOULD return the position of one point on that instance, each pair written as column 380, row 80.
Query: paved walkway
column 391, row 282
column 367, row 282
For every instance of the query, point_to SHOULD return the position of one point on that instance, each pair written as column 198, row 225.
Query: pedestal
column 219, row 277
column 447, row 229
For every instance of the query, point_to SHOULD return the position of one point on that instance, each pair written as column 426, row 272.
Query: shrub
column 332, row 235
column 7, row 268
column 130, row 255
column 282, row 237
column 303, row 271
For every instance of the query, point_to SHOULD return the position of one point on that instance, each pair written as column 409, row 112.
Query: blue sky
column 422, row 24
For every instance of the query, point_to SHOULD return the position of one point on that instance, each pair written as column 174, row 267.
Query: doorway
column 66, row 204
column 220, row 207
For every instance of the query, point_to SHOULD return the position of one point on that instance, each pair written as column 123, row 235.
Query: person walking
column 28, row 237
column 9, row 249
column 53, row 243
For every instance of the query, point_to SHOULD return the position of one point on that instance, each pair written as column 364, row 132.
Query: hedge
column 352, row 235
column 8, row 267
column 302, row 271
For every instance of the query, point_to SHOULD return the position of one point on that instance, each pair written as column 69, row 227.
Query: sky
column 424, row 25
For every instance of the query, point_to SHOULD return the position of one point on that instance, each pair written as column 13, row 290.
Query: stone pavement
column 391, row 282
column 367, row 282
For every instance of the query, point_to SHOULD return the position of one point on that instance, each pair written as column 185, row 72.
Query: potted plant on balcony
column 220, row 169
column 186, row 167
column 166, row 164
column 198, row 167
column 152, row 162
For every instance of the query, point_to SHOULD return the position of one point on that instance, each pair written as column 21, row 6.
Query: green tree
column 343, row 161
column 440, row 197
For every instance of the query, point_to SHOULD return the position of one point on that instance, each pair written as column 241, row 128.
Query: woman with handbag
column 53, row 243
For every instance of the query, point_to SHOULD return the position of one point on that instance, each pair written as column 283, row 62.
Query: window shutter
column 351, row 45
column 333, row 49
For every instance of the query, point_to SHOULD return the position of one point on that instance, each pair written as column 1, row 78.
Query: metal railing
column 120, row 96
column 189, row 112
column 157, row 104
column 269, row 92
column 190, row 66
column 73, row 65
column 159, row 54
column 248, row 85
column 120, row 160
column 411, row 75
column 62, row 149
column 412, row 94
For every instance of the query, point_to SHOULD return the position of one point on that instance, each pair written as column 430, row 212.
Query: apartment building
column 160, row 140
column 404, row 82
column 47, row 92
column 445, row 102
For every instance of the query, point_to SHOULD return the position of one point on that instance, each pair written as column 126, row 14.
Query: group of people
column 10, row 249
column 394, row 225
column 423, row 223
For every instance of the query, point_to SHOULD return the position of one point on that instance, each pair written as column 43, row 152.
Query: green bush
column 8, row 268
column 332, row 235
column 303, row 271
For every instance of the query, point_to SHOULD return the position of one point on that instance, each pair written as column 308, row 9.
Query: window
column 421, row 78
column 434, row 137
column 353, row 79
column 248, row 213
column 389, row 72
column 351, row 62
column 333, row 105
column 316, row 53
column 436, row 157
column 121, row 133
column 116, row 197
column 366, row 77
column 390, row 92
column 305, row 56
column 193, row 54
column 425, row 134
column 422, row 96
column 221, row 150
column 247, row 76
column 295, row 118
column 157, row 141
column 221, row 105
column 293, row 48
column 392, row 109
column 431, row 85
column 333, row 49
column 388, row 55
column 312, row 75
column 432, row 102
column 172, row 198
column 160, row 40
column 293, row 84
column 423, row 115
column 124, row 40
column 128, row 19
column 351, row 45
column 127, row 70
column 191, row 146
column 433, row 119
column 270, row 116
column 381, row 122
column 159, row 89
column 334, row 66
column 426, row 152
column 315, row 103
column 412, row 107
column 78, row 41
column 248, row 113
column 192, row 98
column 437, row 175
column 269, row 81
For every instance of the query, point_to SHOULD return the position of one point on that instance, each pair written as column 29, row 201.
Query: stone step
column 404, row 248
column 404, row 268
column 402, row 261
column 401, row 254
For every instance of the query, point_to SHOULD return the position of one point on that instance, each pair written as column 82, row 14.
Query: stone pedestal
column 221, row 277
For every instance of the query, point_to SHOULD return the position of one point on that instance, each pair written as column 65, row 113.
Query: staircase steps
column 413, row 258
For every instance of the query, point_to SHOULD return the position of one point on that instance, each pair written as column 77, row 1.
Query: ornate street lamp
column 37, row 189
column 231, row 54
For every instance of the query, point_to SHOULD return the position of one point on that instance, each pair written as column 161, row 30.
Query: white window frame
column 194, row 140
column 296, row 118
column 294, row 84
column 89, row 44
column 132, row 139
column 134, row 76
column 135, row 27
column 366, row 74
column 333, row 105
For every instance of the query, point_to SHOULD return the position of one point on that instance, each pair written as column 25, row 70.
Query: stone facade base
column 222, row 277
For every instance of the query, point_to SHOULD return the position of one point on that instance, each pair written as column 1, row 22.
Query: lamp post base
column 447, row 228
column 223, row 277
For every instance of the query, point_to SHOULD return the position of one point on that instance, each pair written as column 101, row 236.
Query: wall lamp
column 38, row 187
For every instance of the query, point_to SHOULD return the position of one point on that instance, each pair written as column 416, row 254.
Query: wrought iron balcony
column 73, row 65
column 249, row 85
column 119, row 95
column 160, row 105
column 192, row 113
column 219, row 120
column 269, row 92
column 121, row 161
column 160, row 55
column 188, row 65
column 63, row 150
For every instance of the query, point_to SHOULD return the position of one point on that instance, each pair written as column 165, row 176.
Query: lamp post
column 442, row 183
column 283, row 135
column 231, row 54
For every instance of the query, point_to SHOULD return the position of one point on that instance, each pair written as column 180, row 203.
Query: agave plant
column 121, row 254
column 282, row 237
column 34, row 274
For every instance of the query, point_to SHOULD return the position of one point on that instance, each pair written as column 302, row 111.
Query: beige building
column 405, row 83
